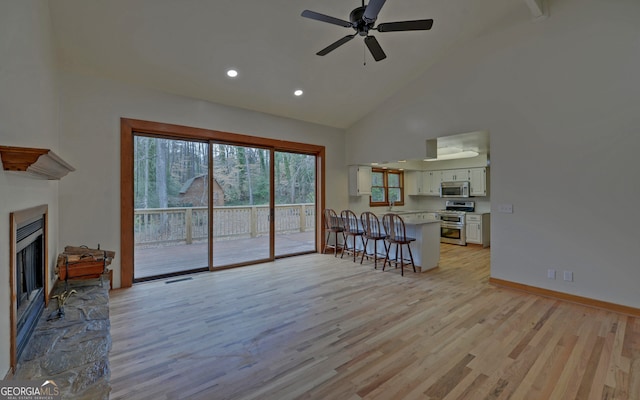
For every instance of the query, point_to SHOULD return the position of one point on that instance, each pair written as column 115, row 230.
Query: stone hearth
column 73, row 351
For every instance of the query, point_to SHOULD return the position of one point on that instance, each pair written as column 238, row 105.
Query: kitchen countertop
column 419, row 221
column 410, row 218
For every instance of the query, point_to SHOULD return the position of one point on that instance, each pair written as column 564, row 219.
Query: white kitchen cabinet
column 455, row 175
column 359, row 180
column 423, row 183
column 478, row 228
column 478, row 181
column 431, row 183
column 414, row 183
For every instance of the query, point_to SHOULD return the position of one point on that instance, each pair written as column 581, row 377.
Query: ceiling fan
column 362, row 20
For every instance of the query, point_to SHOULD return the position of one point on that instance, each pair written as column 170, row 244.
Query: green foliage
column 242, row 172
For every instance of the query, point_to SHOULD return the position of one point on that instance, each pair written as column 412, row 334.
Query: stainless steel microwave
column 454, row 189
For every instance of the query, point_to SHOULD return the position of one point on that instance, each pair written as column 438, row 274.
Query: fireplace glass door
column 29, row 280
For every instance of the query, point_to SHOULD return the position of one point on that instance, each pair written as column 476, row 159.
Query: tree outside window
column 387, row 186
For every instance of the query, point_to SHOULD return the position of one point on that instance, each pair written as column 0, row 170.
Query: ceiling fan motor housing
column 359, row 24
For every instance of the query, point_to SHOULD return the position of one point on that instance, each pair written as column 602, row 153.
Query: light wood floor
column 317, row 327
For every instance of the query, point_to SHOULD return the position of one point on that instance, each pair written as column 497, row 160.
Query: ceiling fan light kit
column 362, row 20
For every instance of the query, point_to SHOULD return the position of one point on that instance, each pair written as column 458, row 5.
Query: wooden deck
column 170, row 259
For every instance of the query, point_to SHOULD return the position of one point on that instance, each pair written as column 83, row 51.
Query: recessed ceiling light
column 232, row 73
column 298, row 92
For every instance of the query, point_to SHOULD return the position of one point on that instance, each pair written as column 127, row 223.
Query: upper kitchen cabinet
column 359, row 180
column 478, row 181
column 414, row 183
column 423, row 183
column 455, row 175
column 431, row 183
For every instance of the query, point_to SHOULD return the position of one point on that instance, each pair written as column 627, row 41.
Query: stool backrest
column 349, row 220
column 394, row 227
column 331, row 220
column 371, row 224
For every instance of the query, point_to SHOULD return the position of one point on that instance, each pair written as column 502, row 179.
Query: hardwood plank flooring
column 318, row 327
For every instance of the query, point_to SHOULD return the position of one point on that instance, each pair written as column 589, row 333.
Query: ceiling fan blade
column 419, row 25
column 372, row 10
column 374, row 48
column 335, row 45
column 325, row 18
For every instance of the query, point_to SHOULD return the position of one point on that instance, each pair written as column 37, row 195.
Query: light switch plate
column 568, row 276
column 505, row 208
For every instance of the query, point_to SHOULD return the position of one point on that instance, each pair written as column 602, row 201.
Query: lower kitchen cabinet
column 478, row 228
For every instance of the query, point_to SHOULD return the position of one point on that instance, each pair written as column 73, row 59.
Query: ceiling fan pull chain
column 364, row 53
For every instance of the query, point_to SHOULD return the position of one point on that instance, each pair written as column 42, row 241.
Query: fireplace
column 29, row 280
column 29, row 283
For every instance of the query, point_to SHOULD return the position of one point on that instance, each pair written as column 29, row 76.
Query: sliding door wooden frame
column 130, row 127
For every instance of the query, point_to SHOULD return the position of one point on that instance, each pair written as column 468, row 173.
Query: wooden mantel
column 39, row 163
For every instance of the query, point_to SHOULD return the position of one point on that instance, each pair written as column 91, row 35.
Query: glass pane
column 394, row 194
column 377, row 179
column 377, row 194
column 394, row 180
column 171, row 197
column 241, row 226
column 295, row 196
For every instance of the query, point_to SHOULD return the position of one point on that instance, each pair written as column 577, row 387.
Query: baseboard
column 635, row 312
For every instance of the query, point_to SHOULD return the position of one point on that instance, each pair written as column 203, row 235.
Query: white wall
column 560, row 100
column 90, row 134
column 28, row 118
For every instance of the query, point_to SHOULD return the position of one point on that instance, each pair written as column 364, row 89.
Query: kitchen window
column 387, row 187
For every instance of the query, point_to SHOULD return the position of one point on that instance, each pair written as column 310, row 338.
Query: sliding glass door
column 295, row 203
column 197, row 200
column 171, row 207
column 241, row 205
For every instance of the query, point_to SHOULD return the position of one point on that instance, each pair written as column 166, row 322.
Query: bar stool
column 372, row 231
column 397, row 234
column 351, row 229
column 332, row 224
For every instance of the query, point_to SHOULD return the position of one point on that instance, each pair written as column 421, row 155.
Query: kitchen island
column 426, row 248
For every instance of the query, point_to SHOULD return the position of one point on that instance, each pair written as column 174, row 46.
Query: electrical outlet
column 568, row 276
column 551, row 273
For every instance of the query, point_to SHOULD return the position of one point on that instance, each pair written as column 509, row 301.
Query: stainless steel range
column 453, row 221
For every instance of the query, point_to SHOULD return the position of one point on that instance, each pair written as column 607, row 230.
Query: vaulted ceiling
column 185, row 47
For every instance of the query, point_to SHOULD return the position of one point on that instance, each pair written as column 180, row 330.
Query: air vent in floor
column 179, row 280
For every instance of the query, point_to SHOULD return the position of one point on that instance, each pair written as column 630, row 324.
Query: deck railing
column 191, row 224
